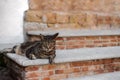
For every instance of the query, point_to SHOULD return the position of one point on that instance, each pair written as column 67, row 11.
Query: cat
column 42, row 49
column 5, row 73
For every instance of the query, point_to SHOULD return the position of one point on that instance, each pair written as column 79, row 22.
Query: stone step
column 68, row 33
column 104, row 76
column 72, row 55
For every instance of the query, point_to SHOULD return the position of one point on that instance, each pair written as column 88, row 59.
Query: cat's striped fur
column 43, row 49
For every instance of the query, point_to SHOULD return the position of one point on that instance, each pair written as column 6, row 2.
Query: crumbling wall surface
column 72, row 14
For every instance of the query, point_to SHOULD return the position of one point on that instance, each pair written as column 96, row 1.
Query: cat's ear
column 55, row 36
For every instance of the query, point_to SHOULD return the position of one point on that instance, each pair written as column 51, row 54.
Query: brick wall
column 63, row 70
column 72, row 14
column 83, row 41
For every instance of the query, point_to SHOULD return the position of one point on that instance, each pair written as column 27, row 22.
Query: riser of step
column 104, row 76
column 80, row 38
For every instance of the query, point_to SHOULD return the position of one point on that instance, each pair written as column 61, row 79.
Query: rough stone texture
column 80, row 20
column 84, row 14
column 86, row 5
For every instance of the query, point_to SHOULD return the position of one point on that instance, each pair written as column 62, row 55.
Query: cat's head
column 48, row 43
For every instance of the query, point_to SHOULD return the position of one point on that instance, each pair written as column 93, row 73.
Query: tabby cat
column 43, row 49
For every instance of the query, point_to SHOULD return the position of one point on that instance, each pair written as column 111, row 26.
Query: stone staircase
column 71, row 62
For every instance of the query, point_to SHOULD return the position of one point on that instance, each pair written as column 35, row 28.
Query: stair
column 99, row 54
column 72, row 55
column 68, row 64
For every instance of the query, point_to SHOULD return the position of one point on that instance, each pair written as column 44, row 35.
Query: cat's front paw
column 51, row 61
column 32, row 57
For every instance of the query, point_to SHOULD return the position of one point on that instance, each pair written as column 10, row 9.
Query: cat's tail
column 7, row 50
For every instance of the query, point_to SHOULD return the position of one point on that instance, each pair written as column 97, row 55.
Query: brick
column 94, row 5
column 46, row 78
column 113, row 44
column 116, row 60
column 62, row 18
column 92, row 68
column 59, row 43
column 100, row 71
column 97, row 62
column 48, row 67
column 76, row 70
column 91, row 21
column 100, row 19
column 59, row 5
column 35, row 4
column 117, row 20
column 114, row 40
column 105, row 44
column 75, row 38
column 62, row 5
column 90, row 45
column 84, row 68
column 79, row 5
column 68, row 71
column 108, row 20
column 59, row 71
column 92, row 38
column 74, row 46
column 32, row 68
column 33, row 16
column 49, row 17
column 73, row 43
column 51, row 72
column 79, row 19
column 83, row 63
column 61, row 47
column 62, row 66
column 58, row 77
column 108, row 37
column 109, row 6
column 107, row 61
column 33, row 74
column 47, row 73
column 97, row 41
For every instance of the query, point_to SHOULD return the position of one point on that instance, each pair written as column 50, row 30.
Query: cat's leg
column 7, row 50
column 51, row 59
column 31, row 56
